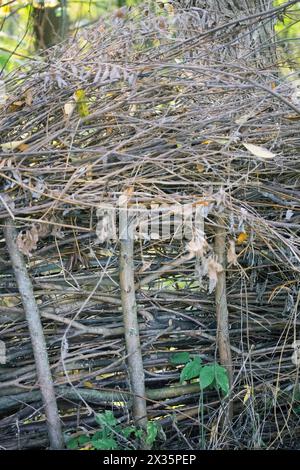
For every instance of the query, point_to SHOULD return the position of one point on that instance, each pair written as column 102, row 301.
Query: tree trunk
column 49, row 23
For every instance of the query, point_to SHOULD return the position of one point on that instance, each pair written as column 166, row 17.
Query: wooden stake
column 223, row 338
column 132, row 337
column 37, row 336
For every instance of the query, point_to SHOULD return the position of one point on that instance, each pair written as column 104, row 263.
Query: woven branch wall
column 145, row 107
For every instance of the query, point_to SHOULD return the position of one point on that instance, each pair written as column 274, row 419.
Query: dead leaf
column 231, row 254
column 88, row 384
column 23, row 147
column 146, row 265
column 198, row 246
column 242, row 238
column 10, row 146
column 200, row 167
column 213, row 269
column 18, row 104
column 69, row 108
column 170, row 9
column 258, row 151
column 27, row 241
column 293, row 117
column 129, row 191
column 248, row 394
column 28, row 97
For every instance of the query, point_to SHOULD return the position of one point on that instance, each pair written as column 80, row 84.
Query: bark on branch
column 223, row 339
column 132, row 337
column 37, row 336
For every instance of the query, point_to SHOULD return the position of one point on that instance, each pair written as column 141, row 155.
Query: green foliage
column 76, row 442
column 106, row 419
column 191, row 370
column 209, row 375
column 104, row 443
column 16, row 24
column 214, row 376
column 180, row 358
column 112, row 436
column 288, row 32
column 206, row 377
column 152, row 431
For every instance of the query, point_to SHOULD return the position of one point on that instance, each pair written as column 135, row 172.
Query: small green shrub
column 209, row 375
column 112, row 436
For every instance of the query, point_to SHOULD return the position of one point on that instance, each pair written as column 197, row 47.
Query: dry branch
column 37, row 336
column 170, row 108
column 223, row 338
column 131, row 326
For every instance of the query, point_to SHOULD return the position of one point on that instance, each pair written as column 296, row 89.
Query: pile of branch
column 147, row 108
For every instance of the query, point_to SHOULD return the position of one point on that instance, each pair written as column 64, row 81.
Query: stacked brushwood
column 145, row 106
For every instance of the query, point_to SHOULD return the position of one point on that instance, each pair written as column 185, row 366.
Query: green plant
column 209, row 375
column 112, row 436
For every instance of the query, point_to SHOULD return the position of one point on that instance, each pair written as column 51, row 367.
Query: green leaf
column 73, row 443
column 207, row 376
column 98, row 435
column 191, row 369
column 107, row 443
column 138, row 433
column 180, row 358
column 216, row 375
column 106, row 419
column 296, row 395
column 126, row 432
column 152, row 431
column 297, row 409
column 83, row 440
column 81, row 101
column 221, row 377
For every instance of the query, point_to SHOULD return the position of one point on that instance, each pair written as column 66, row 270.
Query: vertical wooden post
column 223, row 338
column 37, row 336
column 132, row 337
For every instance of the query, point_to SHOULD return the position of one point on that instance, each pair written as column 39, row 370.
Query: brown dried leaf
column 27, row 241
column 231, row 254
column 198, row 246
column 28, row 97
column 213, row 269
